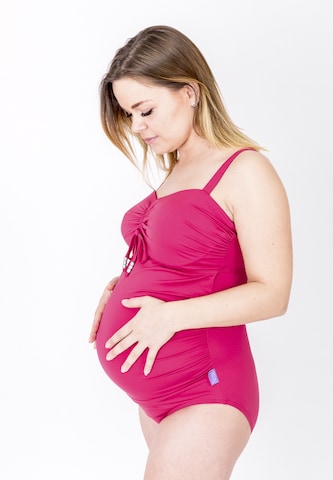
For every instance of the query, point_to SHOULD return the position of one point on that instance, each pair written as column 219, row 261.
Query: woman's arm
column 258, row 203
column 255, row 198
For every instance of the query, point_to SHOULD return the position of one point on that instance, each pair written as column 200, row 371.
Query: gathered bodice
column 186, row 231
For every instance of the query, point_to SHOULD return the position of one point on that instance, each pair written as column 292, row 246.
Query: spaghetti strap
column 220, row 172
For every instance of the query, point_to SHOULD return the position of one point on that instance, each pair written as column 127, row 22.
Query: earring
column 193, row 104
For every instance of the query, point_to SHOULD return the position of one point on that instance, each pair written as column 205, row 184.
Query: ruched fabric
column 182, row 246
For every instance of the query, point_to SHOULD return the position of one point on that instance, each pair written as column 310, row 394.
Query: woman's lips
column 149, row 140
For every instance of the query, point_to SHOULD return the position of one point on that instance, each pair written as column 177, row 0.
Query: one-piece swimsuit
column 181, row 246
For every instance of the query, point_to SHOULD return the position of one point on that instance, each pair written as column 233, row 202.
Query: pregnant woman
column 209, row 251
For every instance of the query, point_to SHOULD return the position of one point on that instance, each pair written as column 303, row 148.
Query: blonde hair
column 166, row 57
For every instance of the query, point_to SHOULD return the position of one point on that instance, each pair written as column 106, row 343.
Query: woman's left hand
column 148, row 329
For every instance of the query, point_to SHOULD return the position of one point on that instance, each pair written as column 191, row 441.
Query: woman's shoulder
column 251, row 175
column 251, row 164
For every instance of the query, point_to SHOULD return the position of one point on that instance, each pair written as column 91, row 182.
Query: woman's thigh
column 201, row 442
column 149, row 427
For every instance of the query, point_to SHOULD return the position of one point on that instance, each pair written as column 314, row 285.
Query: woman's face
column 161, row 116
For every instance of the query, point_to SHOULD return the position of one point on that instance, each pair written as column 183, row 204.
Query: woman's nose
column 138, row 123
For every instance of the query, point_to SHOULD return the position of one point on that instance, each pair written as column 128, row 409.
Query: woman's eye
column 128, row 115
column 145, row 114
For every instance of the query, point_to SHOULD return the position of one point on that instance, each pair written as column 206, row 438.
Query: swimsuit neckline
column 193, row 190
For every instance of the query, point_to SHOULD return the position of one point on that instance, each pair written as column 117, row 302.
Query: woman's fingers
column 112, row 283
column 136, row 352
column 132, row 357
column 100, row 308
column 151, row 356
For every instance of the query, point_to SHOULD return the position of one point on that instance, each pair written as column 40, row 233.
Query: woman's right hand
column 100, row 308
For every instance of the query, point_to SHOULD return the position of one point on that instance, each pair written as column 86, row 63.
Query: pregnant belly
column 178, row 362
column 166, row 285
column 181, row 363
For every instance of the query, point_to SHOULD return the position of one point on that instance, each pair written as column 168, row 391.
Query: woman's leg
column 201, row 442
column 149, row 427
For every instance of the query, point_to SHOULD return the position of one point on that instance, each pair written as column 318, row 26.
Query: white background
column 64, row 189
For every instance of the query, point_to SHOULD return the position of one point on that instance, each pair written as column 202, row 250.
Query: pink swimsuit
column 183, row 245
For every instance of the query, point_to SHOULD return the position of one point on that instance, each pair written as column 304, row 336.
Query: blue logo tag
column 212, row 377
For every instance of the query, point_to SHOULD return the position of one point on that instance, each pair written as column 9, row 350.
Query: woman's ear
column 193, row 93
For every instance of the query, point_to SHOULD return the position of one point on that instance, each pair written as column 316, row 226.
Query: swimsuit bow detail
column 137, row 250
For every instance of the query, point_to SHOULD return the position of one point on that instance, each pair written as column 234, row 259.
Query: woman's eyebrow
column 136, row 105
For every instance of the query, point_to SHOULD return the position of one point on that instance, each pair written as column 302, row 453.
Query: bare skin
column 252, row 195
column 215, row 435
column 203, row 442
column 100, row 309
